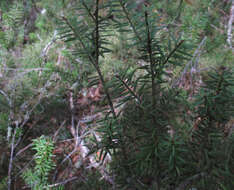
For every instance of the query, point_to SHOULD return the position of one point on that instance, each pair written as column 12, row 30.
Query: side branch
column 173, row 51
column 129, row 89
column 129, row 20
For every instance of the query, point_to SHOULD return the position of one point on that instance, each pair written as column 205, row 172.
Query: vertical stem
column 229, row 26
column 152, row 64
column 94, row 60
column 221, row 79
column 107, row 93
column 97, row 33
column 149, row 47
column 97, row 59
column 101, row 76
column 179, row 10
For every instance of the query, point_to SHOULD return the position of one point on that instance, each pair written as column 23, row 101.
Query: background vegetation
column 116, row 94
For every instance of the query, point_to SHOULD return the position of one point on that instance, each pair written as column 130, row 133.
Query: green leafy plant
column 157, row 136
column 3, row 184
column 148, row 137
column 37, row 178
column 214, row 108
column 13, row 21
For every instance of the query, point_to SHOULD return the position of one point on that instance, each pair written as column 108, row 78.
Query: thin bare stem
column 9, row 182
column 229, row 26
column 193, row 63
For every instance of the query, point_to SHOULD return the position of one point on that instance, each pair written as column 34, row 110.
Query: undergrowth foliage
column 105, row 87
column 37, row 178
column 145, row 131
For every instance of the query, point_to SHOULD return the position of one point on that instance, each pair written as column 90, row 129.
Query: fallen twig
column 23, row 149
column 61, row 183
column 57, row 132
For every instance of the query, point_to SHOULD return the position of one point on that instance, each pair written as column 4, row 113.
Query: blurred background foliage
column 38, row 71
